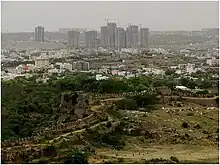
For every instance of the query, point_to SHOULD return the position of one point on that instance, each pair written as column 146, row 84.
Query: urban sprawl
column 112, row 51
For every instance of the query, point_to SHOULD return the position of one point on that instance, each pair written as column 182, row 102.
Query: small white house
column 181, row 87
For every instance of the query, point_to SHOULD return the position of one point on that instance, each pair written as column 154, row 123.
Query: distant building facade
column 132, row 36
column 111, row 35
column 91, row 39
column 73, row 39
column 120, row 38
column 103, row 36
column 39, row 34
column 41, row 62
column 144, row 37
column 81, row 66
column 107, row 35
column 213, row 62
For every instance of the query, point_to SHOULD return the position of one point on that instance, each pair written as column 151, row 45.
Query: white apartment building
column 42, row 62
column 190, row 68
column 67, row 66
column 213, row 62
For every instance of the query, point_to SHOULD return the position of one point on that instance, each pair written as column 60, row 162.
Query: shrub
column 185, row 125
column 76, row 157
column 190, row 114
column 197, row 126
column 175, row 159
column 127, row 104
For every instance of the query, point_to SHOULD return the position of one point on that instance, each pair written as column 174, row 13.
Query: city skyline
column 111, row 36
column 92, row 15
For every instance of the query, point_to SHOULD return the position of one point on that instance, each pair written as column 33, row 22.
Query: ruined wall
column 169, row 93
column 53, row 130
column 11, row 154
column 208, row 102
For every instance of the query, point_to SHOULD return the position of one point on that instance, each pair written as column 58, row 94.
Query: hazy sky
column 24, row 16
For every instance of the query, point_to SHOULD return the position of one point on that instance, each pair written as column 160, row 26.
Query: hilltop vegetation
column 27, row 104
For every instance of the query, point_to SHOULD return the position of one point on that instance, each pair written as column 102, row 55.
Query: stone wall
column 55, row 129
column 172, row 93
column 11, row 154
column 208, row 102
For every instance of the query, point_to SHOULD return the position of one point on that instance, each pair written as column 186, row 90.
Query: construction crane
column 107, row 20
column 140, row 26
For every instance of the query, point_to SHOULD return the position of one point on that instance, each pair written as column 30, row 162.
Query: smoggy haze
column 24, row 16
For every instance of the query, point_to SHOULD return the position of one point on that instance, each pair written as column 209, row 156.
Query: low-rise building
column 100, row 77
column 67, row 66
column 42, row 62
column 81, row 66
column 213, row 62
column 190, row 68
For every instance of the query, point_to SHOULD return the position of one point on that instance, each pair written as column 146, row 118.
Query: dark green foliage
column 113, row 139
column 80, row 158
column 190, row 114
column 28, row 105
column 169, row 72
column 145, row 100
column 22, row 99
column 175, row 159
column 77, row 156
column 188, row 83
column 202, row 92
column 127, row 104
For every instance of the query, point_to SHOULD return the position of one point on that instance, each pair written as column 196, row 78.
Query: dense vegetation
column 135, row 102
column 28, row 105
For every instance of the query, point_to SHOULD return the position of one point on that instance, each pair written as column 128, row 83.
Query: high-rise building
column 107, row 36
column 144, row 37
column 73, row 39
column 91, row 39
column 120, row 38
column 103, row 36
column 111, row 35
column 39, row 34
column 132, row 36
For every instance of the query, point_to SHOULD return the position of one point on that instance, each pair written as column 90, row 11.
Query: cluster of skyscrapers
column 112, row 36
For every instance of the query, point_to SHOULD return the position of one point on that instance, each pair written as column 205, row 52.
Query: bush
column 202, row 92
column 76, row 157
column 80, row 158
column 197, row 126
column 175, row 159
column 127, row 104
column 185, row 125
column 190, row 114
column 109, row 124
